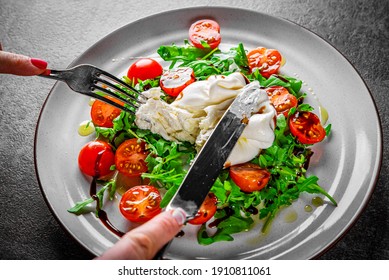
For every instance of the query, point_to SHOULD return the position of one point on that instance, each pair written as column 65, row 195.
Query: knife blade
column 209, row 162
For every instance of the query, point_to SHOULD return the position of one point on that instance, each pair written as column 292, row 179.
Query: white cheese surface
column 197, row 110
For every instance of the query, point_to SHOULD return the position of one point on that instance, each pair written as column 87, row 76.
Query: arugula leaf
column 203, row 68
column 81, row 207
column 119, row 132
column 177, row 53
column 206, row 62
column 328, row 130
column 305, row 108
column 169, row 194
column 292, row 84
column 227, row 226
column 240, row 58
column 310, row 185
column 167, row 162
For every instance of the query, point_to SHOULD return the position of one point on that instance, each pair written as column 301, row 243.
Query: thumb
column 144, row 241
column 22, row 65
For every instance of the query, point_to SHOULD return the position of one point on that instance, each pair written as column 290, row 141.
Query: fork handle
column 59, row 75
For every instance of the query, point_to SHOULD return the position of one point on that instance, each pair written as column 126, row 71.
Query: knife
column 210, row 161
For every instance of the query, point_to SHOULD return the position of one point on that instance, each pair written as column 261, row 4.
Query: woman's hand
column 146, row 240
column 140, row 243
column 21, row 65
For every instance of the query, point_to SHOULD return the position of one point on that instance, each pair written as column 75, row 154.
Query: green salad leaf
column 80, row 207
column 206, row 62
column 184, row 53
column 167, row 162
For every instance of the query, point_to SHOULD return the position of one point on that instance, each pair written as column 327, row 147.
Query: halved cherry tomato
column 130, row 157
column 206, row 211
column 174, row 81
column 268, row 61
column 281, row 99
column 249, row 177
column 96, row 158
column 141, row 203
column 103, row 114
column 124, row 183
column 306, row 127
column 205, row 30
column 143, row 69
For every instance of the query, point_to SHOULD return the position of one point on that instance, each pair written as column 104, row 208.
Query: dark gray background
column 59, row 31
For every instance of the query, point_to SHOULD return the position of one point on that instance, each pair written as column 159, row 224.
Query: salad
column 144, row 157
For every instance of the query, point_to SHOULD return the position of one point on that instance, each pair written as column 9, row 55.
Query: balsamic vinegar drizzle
column 216, row 222
column 102, row 215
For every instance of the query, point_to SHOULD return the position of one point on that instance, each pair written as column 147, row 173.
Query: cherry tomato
column 96, row 158
column 268, row 61
column 206, row 211
column 249, row 177
column 306, row 127
column 141, row 203
column 174, row 81
column 103, row 114
column 124, row 183
column 205, row 30
column 130, row 158
column 281, row 99
column 143, row 69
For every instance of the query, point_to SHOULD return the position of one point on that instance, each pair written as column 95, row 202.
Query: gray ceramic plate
column 347, row 163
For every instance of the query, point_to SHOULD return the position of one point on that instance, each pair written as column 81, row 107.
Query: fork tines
column 123, row 95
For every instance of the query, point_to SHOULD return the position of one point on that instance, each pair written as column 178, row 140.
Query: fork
column 92, row 81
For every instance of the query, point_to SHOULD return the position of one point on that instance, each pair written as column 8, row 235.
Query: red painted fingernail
column 39, row 63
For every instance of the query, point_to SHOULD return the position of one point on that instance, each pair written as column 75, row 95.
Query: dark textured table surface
column 59, row 31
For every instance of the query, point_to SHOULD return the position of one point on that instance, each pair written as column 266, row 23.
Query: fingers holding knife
column 146, row 240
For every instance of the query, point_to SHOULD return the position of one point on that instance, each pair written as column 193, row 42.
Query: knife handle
column 161, row 252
